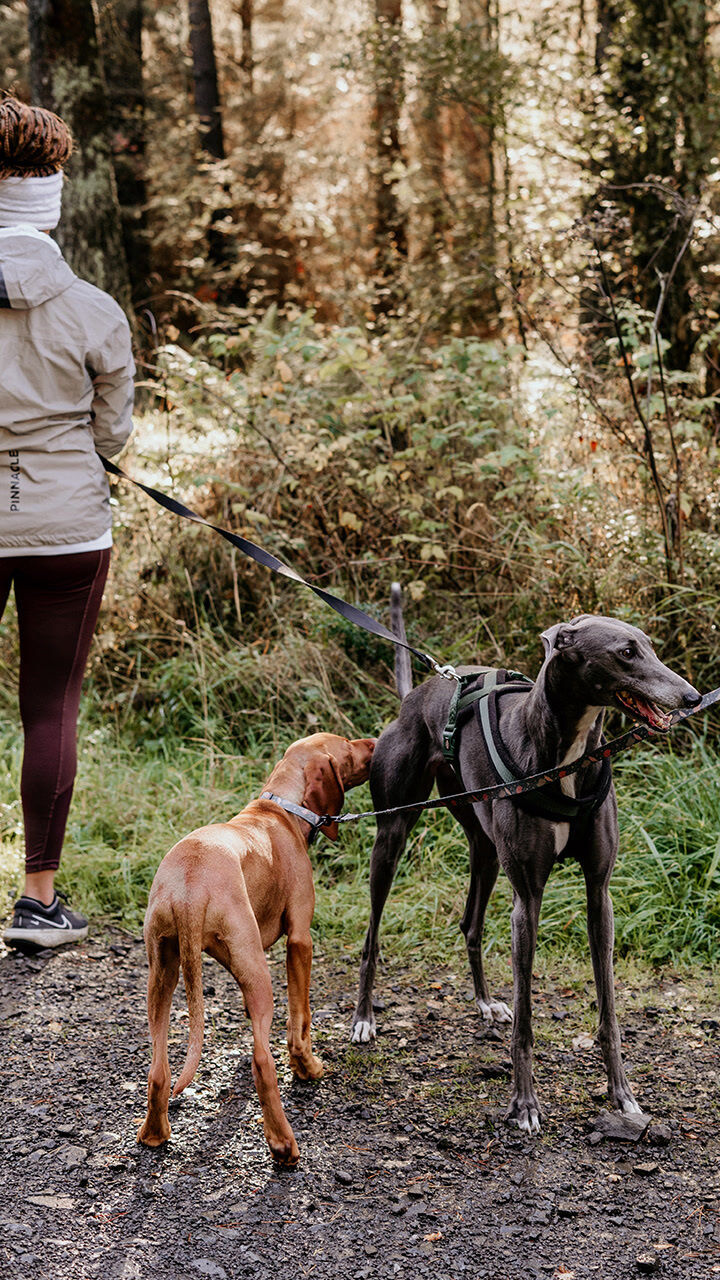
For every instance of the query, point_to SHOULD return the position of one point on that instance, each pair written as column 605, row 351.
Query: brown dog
column 232, row 889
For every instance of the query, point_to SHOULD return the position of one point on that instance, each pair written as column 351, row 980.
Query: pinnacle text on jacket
column 14, row 455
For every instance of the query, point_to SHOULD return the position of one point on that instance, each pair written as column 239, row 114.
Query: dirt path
column 407, row 1169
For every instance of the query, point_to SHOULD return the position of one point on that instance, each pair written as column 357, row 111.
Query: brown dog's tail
column 403, row 666
column 190, row 944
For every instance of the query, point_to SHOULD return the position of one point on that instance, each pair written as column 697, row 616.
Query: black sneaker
column 35, row 925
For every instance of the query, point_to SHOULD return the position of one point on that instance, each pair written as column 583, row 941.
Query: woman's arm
column 112, row 368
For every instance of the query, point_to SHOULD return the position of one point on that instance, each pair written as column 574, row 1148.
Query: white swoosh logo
column 53, row 924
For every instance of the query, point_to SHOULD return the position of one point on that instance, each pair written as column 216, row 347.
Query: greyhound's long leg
column 597, row 863
column 387, row 850
column 400, row 774
column 601, row 934
column 524, row 1107
column 528, row 877
column 484, row 868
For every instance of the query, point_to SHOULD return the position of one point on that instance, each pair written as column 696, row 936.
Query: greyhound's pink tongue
column 656, row 717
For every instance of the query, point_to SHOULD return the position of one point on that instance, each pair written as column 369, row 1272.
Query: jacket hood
column 32, row 269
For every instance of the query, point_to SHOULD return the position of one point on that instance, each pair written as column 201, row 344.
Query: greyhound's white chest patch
column 567, row 785
column 562, row 834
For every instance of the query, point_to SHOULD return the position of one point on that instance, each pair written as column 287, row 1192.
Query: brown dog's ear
column 324, row 791
column 355, row 765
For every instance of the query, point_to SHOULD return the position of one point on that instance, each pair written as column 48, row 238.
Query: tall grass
column 665, row 888
column 188, row 755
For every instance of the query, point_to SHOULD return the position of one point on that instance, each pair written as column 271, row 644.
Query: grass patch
column 136, row 795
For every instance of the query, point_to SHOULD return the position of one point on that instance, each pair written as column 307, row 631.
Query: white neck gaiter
column 34, row 201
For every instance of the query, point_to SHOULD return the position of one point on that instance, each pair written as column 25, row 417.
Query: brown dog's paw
column 307, row 1068
column 153, row 1136
column 285, row 1151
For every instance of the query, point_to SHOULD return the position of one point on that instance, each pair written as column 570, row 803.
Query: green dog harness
column 479, row 692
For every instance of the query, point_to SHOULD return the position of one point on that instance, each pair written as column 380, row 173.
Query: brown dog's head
column 331, row 767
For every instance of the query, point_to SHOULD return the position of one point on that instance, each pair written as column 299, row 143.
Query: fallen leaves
column 349, row 520
column 51, row 1201
column 583, row 1042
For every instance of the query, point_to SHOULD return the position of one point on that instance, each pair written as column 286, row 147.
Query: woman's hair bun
column 33, row 142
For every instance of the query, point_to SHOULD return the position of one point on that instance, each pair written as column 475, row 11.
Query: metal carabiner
column 447, row 672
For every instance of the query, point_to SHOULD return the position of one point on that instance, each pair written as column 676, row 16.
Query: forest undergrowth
column 483, row 479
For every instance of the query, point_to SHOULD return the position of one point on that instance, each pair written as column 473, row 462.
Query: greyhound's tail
column 403, row 666
column 189, row 930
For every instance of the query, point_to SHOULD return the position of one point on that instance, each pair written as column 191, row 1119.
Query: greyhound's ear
column 559, row 639
column 548, row 638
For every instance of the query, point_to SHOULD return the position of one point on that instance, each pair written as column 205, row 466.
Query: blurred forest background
column 427, row 291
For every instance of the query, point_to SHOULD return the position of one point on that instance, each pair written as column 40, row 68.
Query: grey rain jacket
column 66, row 393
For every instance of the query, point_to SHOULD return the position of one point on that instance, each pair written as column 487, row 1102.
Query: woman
column 66, row 394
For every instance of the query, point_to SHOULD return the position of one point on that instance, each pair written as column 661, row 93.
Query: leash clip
column 447, row 672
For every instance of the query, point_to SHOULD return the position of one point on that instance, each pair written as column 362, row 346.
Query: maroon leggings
column 58, row 599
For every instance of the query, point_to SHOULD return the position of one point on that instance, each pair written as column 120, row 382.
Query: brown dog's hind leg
column 242, row 953
column 278, row 1134
column 299, row 963
column 164, row 959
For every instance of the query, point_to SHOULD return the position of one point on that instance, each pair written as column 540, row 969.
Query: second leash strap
column 534, row 781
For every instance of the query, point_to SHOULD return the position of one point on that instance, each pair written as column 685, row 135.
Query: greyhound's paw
column 629, row 1106
column 494, row 1011
column 525, row 1113
column 621, row 1096
column 363, row 1031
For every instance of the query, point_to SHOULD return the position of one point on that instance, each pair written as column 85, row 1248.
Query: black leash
column 534, row 781
column 348, row 611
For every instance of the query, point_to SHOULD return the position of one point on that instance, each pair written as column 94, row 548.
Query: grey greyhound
column 590, row 663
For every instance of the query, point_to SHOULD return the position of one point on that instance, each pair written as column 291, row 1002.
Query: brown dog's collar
column 315, row 820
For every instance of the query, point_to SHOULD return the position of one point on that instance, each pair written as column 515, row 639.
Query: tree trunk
column 390, row 232
column 207, row 97
column 67, row 76
column 121, row 23
column 431, row 139
column 269, row 125
column 654, row 163
column 247, row 69
column 474, row 118
column 607, row 15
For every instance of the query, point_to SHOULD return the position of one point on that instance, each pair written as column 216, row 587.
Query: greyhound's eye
column 627, row 653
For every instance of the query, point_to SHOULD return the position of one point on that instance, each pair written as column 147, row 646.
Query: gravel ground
column 406, row 1166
